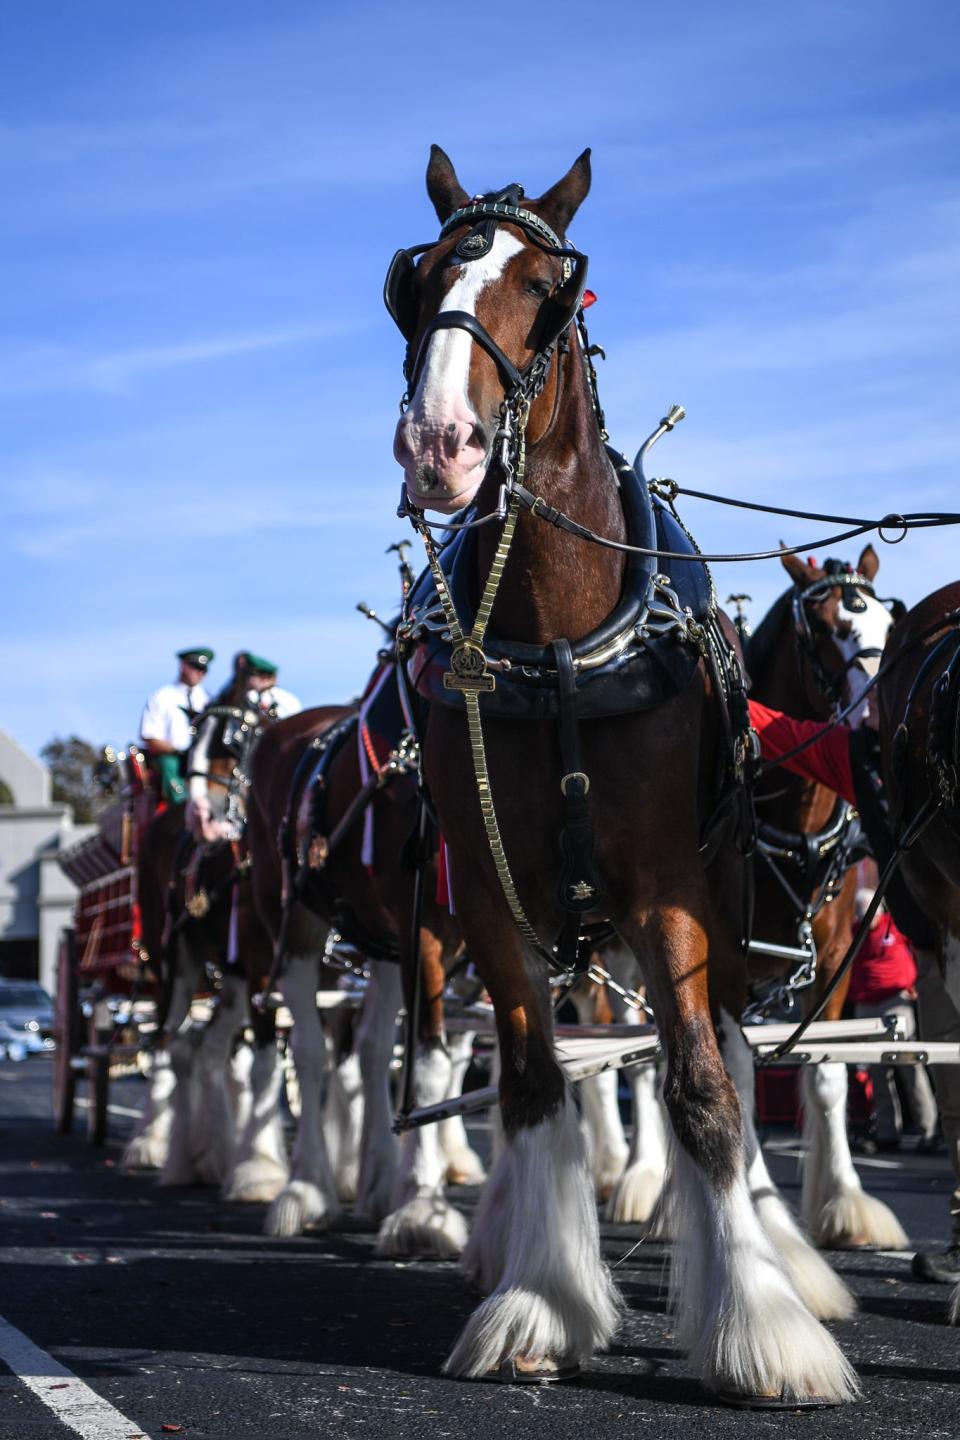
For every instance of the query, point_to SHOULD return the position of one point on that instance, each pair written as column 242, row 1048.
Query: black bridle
column 851, row 584
column 557, row 312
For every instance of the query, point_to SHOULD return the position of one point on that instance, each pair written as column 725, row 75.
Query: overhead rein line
column 668, row 490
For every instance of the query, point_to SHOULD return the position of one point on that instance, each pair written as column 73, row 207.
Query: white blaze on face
column 869, row 630
column 435, row 442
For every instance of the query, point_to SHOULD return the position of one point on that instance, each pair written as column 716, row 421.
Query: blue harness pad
column 651, row 655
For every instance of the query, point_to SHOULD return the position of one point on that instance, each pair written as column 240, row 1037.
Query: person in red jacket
column 848, row 762
column 882, row 983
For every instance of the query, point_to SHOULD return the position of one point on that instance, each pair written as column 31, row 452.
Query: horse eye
column 540, row 288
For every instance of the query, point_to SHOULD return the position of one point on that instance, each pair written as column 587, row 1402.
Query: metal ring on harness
column 900, row 522
column 575, row 775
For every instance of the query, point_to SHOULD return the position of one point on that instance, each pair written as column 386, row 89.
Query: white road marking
column 112, row 1109
column 72, row 1401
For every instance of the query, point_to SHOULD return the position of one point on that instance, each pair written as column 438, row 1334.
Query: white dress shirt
column 164, row 715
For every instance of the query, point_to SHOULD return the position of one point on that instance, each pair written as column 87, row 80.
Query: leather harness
column 645, row 652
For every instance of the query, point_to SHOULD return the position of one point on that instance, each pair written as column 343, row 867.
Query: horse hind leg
column 819, row 1287
column 739, row 1317
column 422, row 1222
column 836, row 1210
column 309, row 1197
column 464, row 1166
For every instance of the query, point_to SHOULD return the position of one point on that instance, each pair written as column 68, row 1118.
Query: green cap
column 258, row 664
column 197, row 655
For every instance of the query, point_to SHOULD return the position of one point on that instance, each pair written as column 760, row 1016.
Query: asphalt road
column 176, row 1310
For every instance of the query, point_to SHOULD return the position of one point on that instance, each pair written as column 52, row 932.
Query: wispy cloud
column 40, row 368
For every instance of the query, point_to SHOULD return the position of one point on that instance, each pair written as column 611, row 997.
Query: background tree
column 71, row 762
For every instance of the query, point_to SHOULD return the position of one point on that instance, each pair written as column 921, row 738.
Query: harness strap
column 908, row 839
column 581, row 884
column 463, row 320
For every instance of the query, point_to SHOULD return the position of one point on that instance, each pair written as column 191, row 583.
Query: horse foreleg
column 215, row 1133
column 837, row 1211
column 633, row 1199
column 260, row 1166
column 606, row 1140
column 343, row 1104
column 422, row 1221
column 376, row 1032
column 819, row 1287
column 309, row 1196
column 745, row 1328
column 150, row 1147
column 464, row 1166
column 536, row 1240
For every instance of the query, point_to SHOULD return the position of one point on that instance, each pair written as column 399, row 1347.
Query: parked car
column 26, row 1019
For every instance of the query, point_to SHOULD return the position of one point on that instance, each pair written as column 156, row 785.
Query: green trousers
column 172, row 785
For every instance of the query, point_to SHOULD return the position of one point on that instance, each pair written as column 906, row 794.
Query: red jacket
column 827, row 761
column 885, row 963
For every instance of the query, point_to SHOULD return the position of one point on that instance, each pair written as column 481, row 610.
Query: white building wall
column 36, row 898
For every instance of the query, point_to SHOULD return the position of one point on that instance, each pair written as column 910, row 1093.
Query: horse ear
column 801, row 573
column 562, row 201
column 869, row 563
column 443, row 187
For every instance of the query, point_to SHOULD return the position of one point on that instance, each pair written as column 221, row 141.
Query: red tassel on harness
column 588, row 298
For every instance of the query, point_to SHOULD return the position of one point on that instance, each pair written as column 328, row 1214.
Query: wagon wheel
column 68, row 1031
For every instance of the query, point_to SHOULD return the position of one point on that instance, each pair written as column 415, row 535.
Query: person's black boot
column 941, row 1266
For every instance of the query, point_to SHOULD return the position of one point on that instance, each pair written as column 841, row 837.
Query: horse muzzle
column 443, row 470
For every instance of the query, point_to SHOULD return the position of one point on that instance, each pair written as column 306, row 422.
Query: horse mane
column 768, row 633
column 233, row 692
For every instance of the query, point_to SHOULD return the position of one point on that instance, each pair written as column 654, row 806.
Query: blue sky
column 198, row 382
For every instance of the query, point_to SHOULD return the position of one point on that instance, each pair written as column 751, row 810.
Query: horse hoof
column 299, row 1205
column 465, row 1168
column 465, row 1177
column 145, row 1153
column 634, row 1198
column 855, row 1220
column 741, row 1400
column 527, row 1370
column 255, row 1182
column 427, row 1227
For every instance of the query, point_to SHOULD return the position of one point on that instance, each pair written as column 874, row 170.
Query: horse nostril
column 480, row 437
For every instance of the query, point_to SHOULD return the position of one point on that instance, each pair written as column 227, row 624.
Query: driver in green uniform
column 167, row 717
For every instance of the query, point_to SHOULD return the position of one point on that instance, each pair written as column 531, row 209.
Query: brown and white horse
column 372, row 905
column 920, row 731
column 535, row 1247
column 196, row 918
column 810, row 654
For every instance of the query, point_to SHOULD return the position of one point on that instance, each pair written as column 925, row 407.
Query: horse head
column 219, row 759
column 481, row 310
column 841, row 627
